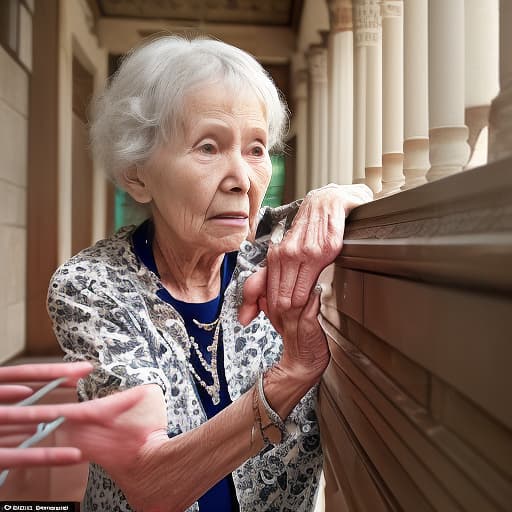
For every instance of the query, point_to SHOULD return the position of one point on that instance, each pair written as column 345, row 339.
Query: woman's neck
column 189, row 277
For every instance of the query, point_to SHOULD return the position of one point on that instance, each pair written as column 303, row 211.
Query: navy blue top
column 221, row 497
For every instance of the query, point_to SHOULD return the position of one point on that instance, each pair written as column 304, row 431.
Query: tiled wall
column 14, row 89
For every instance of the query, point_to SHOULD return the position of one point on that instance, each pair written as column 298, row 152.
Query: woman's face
column 206, row 186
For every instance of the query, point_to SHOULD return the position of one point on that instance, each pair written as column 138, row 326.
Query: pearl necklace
column 212, row 389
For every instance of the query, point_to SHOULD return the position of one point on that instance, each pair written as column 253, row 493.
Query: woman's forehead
column 216, row 102
column 219, row 99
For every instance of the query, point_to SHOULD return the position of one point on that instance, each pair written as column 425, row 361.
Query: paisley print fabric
column 105, row 309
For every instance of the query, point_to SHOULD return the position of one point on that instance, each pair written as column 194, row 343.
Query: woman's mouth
column 235, row 219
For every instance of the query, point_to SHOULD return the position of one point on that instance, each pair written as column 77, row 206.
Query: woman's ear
column 132, row 180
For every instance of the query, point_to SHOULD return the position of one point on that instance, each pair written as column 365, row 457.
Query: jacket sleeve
column 92, row 325
column 282, row 216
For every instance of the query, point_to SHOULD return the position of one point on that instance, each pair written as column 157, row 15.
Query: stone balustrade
column 401, row 92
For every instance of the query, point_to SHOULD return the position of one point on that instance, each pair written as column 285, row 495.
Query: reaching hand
column 106, row 430
column 13, row 433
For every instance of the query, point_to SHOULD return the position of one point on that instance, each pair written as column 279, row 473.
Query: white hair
column 144, row 101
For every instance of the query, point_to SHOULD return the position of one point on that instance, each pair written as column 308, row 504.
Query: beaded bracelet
column 273, row 416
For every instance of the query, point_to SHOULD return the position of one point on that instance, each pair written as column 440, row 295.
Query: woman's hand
column 285, row 288
column 314, row 240
column 13, row 433
column 111, row 431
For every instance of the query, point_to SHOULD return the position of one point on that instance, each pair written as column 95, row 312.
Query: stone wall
column 15, row 71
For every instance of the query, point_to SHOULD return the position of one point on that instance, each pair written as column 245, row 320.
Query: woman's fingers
column 255, row 288
column 14, row 458
column 283, row 263
column 313, row 242
column 93, row 411
column 14, row 392
column 45, row 372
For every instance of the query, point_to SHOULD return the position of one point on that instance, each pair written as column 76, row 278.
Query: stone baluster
column 416, row 146
column 360, row 64
column 500, row 119
column 340, row 91
column 393, row 96
column 482, row 70
column 317, row 116
column 368, row 94
column 300, row 119
column 449, row 150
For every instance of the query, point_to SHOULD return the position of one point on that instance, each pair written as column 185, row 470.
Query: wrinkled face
column 206, row 186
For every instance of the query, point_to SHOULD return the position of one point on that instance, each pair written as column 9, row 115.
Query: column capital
column 367, row 22
column 317, row 62
column 392, row 8
column 340, row 15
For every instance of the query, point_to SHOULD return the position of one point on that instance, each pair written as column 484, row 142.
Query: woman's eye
column 257, row 151
column 207, row 148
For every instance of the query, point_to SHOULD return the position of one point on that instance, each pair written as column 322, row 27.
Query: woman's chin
column 231, row 242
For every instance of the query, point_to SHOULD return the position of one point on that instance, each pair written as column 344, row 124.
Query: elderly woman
column 186, row 127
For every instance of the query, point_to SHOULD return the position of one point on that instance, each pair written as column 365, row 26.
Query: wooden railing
column 415, row 407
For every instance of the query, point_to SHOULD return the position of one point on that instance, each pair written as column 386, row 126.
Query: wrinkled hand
column 314, row 240
column 285, row 289
column 13, row 433
column 113, row 431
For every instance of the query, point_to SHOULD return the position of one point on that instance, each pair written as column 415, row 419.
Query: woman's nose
column 238, row 178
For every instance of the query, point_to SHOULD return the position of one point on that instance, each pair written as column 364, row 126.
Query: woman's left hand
column 314, row 240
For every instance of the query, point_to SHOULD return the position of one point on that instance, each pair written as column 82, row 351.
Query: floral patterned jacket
column 104, row 307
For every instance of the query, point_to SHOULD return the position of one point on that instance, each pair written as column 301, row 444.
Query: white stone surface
column 12, row 300
column 13, row 83
column 13, row 204
column 15, row 264
column 446, row 63
column 13, row 145
column 341, row 107
column 315, row 17
column 481, row 51
column 14, row 87
column 25, row 37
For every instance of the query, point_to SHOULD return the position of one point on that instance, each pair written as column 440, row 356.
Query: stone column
column 359, row 91
column 481, row 68
column 500, row 120
column 341, row 91
column 371, row 28
column 449, row 150
column 317, row 117
column 301, row 130
column 393, row 96
column 416, row 147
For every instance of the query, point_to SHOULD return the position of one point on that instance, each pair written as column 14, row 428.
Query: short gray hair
column 143, row 103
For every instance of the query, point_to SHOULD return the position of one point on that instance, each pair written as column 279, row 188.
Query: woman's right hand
column 305, row 353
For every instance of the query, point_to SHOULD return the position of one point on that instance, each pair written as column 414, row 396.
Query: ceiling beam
column 267, row 44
